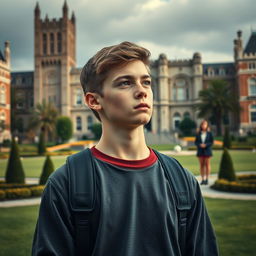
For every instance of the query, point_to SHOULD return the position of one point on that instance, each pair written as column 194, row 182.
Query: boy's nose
column 140, row 92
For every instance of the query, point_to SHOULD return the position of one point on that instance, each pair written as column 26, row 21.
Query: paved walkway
column 206, row 191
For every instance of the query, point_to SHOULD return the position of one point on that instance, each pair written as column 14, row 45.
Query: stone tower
column 55, row 55
column 163, row 76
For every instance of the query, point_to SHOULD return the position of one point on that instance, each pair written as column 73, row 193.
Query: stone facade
column 245, row 63
column 176, row 83
column 5, row 94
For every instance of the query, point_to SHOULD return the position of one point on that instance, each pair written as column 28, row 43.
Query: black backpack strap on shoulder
column 82, row 198
column 179, row 182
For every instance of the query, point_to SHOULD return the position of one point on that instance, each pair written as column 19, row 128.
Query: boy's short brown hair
column 96, row 69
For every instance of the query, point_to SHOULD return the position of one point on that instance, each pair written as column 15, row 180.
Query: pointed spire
column 73, row 17
column 37, row 10
column 65, row 9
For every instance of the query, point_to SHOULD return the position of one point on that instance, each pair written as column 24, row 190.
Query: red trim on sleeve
column 135, row 164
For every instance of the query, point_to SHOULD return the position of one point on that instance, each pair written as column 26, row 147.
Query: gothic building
column 5, row 94
column 176, row 83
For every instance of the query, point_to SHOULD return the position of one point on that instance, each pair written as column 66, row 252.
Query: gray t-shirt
column 136, row 212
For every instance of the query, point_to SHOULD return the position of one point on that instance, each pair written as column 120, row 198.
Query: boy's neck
column 128, row 144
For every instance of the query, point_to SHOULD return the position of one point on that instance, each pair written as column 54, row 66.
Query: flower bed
column 19, row 191
column 243, row 184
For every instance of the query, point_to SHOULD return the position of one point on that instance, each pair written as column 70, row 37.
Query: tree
column 41, row 148
column 96, row 130
column 48, row 168
column 14, row 171
column 186, row 126
column 64, row 128
column 216, row 101
column 226, row 170
column 44, row 118
column 227, row 138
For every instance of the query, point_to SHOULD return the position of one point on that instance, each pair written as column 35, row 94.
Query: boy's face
column 127, row 96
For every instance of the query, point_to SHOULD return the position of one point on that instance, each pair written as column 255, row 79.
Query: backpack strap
column 82, row 198
column 179, row 183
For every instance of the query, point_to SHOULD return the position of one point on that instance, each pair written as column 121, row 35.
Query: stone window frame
column 3, row 92
column 79, row 126
column 78, row 97
column 185, row 89
column 251, row 84
column 252, row 109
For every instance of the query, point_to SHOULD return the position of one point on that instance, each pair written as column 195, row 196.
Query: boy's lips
column 142, row 105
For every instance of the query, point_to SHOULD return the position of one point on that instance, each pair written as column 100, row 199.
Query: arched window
column 78, row 96
column 253, row 113
column 45, row 43
column 89, row 122
column 176, row 120
column 78, row 123
column 252, row 87
column 2, row 94
column 211, row 71
column 222, row 72
column 180, row 90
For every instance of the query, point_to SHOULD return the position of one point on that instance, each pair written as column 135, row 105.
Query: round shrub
column 64, row 128
column 226, row 170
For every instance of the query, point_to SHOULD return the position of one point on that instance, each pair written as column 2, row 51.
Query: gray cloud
column 183, row 26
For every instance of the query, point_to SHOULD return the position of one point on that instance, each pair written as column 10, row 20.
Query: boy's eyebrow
column 130, row 77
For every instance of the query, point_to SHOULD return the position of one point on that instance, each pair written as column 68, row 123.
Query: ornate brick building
column 176, row 83
column 5, row 94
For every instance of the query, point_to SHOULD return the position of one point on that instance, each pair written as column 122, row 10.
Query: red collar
column 135, row 164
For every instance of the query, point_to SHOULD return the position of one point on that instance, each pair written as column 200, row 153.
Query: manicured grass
column 234, row 224
column 233, row 221
column 17, row 227
column 243, row 161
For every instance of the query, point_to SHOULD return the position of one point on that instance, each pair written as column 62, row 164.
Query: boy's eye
column 124, row 83
column 147, row 82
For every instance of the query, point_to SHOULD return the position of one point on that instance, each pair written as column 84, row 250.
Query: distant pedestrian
column 204, row 141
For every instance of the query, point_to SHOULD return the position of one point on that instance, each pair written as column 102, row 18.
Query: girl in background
column 204, row 141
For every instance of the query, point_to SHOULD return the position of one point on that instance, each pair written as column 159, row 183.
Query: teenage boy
column 135, row 212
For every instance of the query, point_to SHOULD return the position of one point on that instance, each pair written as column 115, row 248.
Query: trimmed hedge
column 14, row 171
column 48, row 168
column 226, row 169
column 244, row 184
column 27, row 191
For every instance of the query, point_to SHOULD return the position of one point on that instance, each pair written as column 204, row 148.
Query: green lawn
column 243, row 161
column 234, row 223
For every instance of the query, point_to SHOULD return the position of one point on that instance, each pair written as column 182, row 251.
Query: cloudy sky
column 177, row 28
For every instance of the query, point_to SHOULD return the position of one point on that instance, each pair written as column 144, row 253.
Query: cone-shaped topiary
column 41, row 149
column 47, row 170
column 227, row 138
column 226, row 170
column 14, row 171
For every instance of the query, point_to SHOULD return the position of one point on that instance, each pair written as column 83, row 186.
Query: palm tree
column 44, row 118
column 216, row 101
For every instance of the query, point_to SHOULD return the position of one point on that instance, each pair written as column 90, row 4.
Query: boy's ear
column 92, row 100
